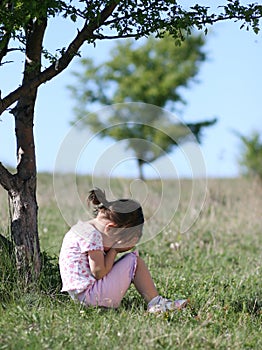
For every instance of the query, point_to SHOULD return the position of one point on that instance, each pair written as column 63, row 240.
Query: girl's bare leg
column 143, row 281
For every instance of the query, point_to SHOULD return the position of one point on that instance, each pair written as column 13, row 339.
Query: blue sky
column 229, row 88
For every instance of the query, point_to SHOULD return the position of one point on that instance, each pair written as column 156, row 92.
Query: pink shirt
column 73, row 259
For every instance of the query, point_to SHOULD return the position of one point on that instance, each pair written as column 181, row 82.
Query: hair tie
column 101, row 205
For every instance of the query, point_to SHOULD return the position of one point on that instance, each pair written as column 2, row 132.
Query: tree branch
column 86, row 34
column 6, row 178
column 5, row 40
column 111, row 37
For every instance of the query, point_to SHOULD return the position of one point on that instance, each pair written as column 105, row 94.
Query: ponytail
column 96, row 197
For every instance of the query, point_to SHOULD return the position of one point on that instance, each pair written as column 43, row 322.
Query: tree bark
column 24, row 228
column 22, row 193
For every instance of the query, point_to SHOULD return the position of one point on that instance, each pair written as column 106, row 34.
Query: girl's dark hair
column 125, row 213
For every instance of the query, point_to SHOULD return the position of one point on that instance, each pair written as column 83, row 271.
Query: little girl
column 87, row 263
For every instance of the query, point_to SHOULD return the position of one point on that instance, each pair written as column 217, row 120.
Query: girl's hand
column 101, row 264
column 121, row 246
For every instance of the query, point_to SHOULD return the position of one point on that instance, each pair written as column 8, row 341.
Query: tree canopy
column 153, row 73
column 251, row 154
column 100, row 20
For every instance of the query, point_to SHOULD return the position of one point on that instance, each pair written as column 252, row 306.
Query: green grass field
column 216, row 264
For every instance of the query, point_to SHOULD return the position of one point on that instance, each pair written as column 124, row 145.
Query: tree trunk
column 140, row 163
column 25, row 241
column 22, row 194
column 24, row 228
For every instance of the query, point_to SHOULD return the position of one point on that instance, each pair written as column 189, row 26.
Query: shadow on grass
column 12, row 285
column 248, row 304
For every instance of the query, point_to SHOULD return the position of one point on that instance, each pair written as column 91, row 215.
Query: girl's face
column 121, row 239
column 117, row 237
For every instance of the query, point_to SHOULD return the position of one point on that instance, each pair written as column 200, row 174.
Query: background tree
column 251, row 155
column 152, row 73
column 23, row 24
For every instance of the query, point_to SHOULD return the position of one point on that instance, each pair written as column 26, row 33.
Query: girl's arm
column 101, row 264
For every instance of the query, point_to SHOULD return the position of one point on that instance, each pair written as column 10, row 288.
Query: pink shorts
column 110, row 290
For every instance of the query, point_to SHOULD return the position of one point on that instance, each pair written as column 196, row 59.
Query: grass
column 216, row 263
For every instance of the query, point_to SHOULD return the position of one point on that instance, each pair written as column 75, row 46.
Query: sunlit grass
column 216, row 264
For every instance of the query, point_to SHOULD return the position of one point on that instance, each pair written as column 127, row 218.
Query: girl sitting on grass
column 87, row 263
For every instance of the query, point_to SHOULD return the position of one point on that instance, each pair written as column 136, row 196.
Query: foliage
column 113, row 19
column 106, row 20
column 152, row 73
column 217, row 264
column 251, row 157
column 129, row 19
